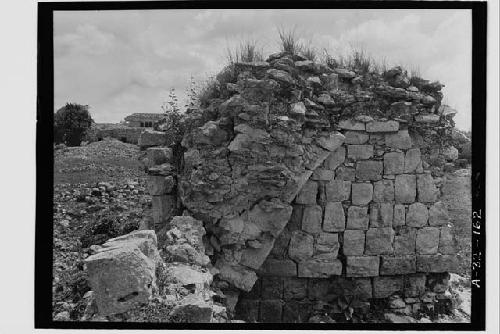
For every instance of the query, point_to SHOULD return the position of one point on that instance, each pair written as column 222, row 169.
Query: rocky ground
column 99, row 193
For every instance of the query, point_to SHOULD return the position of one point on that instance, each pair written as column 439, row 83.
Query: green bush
column 71, row 123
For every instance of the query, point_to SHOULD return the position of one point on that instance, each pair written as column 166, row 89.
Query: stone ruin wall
column 312, row 183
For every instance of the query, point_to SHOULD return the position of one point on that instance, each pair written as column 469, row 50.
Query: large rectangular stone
column 438, row 263
column 385, row 286
column 405, row 241
column 359, row 152
column 399, row 215
column 248, row 310
column 158, row 155
column 272, row 287
column 362, row 193
column 321, row 174
column 311, row 218
column 338, row 190
column 427, row 240
column 446, row 241
column 357, row 218
column 427, row 191
column 345, row 173
column 354, row 242
column 301, row 246
column 381, row 214
column 382, row 126
column 308, row 193
column 335, row 158
column 413, row 162
column 319, row 268
column 294, row 288
column 327, row 243
column 379, row 241
column 271, row 310
column 350, row 124
column 150, row 138
column 383, row 191
column 397, row 265
column 282, row 268
column 438, row 214
column 369, row 170
column 405, row 188
column 394, row 163
column 362, row 266
column 356, row 137
column 163, row 208
column 399, row 140
column 417, row 215
column 334, row 220
column 414, row 285
column 160, row 185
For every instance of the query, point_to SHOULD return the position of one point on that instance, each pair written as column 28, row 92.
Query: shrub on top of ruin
column 247, row 51
column 71, row 124
column 309, row 52
column 289, row 41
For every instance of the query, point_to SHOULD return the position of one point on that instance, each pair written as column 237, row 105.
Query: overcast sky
column 121, row 62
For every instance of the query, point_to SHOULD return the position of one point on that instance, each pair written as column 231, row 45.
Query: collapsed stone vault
column 307, row 178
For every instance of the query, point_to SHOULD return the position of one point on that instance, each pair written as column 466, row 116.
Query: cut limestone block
column 399, row 140
column 357, row 218
column 369, row 170
column 311, row 218
column 281, row 268
column 438, row 214
column 397, row 265
column 380, row 126
column 359, row 152
column 319, row 268
column 399, row 215
column 381, row 214
column 379, row 241
column 446, row 241
column 349, row 124
column 427, row 240
column 405, row 240
column 356, row 137
column 427, row 191
column 414, row 285
column 417, row 215
column 334, row 217
column 362, row 193
column 385, row 286
column 405, row 188
column 308, row 193
column 394, row 163
column 327, row 243
column 383, row 191
column 438, row 263
column 362, row 266
column 301, row 246
column 335, row 158
column 338, row 190
column 413, row 162
column 354, row 242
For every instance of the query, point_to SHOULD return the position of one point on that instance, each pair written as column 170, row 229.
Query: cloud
column 121, row 62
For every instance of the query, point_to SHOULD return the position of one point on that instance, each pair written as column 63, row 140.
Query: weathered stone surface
column 294, row 288
column 327, row 243
column 187, row 275
column 381, row 214
column 184, row 241
column 446, row 241
column 254, row 257
column 380, row 126
column 399, row 215
column 311, row 218
column 271, row 310
column 394, row 163
column 405, row 188
column 192, row 309
column 345, row 173
column 163, row 206
column 404, row 241
column 438, row 214
column 282, row 268
column 236, row 275
column 417, row 215
column 383, row 191
column 384, row 286
column 357, row 218
column 427, row 191
column 308, row 193
column 349, row 124
column 369, row 170
column 334, row 217
column 362, row 266
column 336, row 158
column 248, row 309
column 332, row 81
column 321, row 174
column 338, row 190
column 150, row 138
column 295, row 222
column 332, row 142
column 427, row 240
column 296, row 311
column 120, row 277
column 159, row 185
column 158, row 155
column 301, row 246
column 438, row 263
column 359, row 152
column 414, row 285
column 354, row 242
column 413, row 161
column 400, row 140
column 397, row 265
column 450, row 153
column 272, row 287
column 361, row 193
column 356, row 137
column 319, row 268
column 298, row 109
column 379, row 241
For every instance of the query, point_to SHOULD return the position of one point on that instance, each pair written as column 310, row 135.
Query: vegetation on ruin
column 71, row 123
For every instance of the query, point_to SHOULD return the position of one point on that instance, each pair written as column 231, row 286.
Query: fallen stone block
column 192, row 309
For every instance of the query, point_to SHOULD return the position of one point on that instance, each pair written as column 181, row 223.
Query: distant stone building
column 143, row 120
